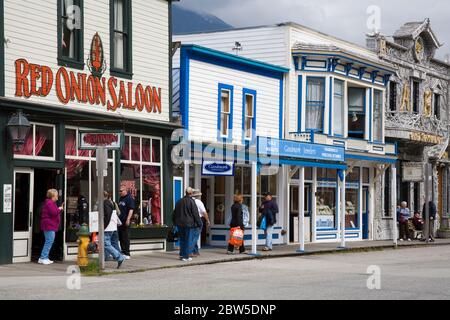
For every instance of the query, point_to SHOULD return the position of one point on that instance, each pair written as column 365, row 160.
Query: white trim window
column 141, row 175
column 40, row 143
column 338, row 108
column 249, row 116
column 378, row 116
column 225, row 112
column 315, row 103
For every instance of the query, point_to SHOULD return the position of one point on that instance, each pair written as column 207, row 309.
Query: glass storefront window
column 326, row 198
column 354, row 175
column 39, row 143
column 108, row 183
column 142, row 179
column 366, row 175
column 351, row 208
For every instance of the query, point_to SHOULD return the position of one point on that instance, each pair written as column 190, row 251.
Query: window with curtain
column 249, row 116
column 356, row 112
column 140, row 174
column 39, row 143
column 315, row 103
column 70, row 42
column 338, row 108
column 224, row 112
column 378, row 116
column 121, row 37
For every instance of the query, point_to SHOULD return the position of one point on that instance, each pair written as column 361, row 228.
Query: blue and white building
column 330, row 144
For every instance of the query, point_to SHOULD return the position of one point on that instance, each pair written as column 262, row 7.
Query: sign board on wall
column 7, row 198
column 412, row 172
column 216, row 168
column 91, row 140
column 299, row 150
column 93, row 221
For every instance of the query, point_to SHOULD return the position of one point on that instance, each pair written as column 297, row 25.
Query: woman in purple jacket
column 50, row 218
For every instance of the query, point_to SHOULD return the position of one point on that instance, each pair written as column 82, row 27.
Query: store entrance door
column 293, row 214
column 45, row 179
column 23, row 214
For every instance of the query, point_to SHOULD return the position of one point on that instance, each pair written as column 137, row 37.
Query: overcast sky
column 341, row 18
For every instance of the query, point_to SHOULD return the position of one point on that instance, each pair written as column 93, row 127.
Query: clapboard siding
column 204, row 79
column 264, row 44
column 35, row 39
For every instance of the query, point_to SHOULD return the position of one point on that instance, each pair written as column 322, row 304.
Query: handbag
column 236, row 237
column 263, row 225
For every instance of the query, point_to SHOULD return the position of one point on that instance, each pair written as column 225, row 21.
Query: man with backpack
column 269, row 210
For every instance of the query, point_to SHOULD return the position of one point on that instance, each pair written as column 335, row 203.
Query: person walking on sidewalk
column 432, row 212
column 269, row 210
column 50, row 219
column 404, row 215
column 126, row 206
column 198, row 231
column 110, row 223
column 186, row 218
column 237, row 221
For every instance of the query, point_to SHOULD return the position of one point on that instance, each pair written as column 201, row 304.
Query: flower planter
column 149, row 233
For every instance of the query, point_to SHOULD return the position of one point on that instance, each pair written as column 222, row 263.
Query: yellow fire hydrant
column 83, row 243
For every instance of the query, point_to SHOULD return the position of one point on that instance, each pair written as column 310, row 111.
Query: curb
column 275, row 256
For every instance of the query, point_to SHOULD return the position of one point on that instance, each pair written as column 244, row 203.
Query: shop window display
column 326, row 198
column 351, row 208
column 140, row 174
column 219, row 200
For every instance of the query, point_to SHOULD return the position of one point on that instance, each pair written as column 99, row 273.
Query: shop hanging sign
column 299, row 150
column 412, row 172
column 91, row 140
column 216, row 168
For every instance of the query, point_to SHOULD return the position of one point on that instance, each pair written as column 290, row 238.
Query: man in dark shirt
column 269, row 210
column 126, row 206
column 186, row 218
column 432, row 212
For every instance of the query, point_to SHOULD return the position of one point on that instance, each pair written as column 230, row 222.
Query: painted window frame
column 308, row 78
column 77, row 63
column 415, row 96
column 127, row 71
column 381, row 105
column 248, row 92
column 393, row 90
column 33, row 132
column 332, row 106
column 437, row 105
column 229, row 136
column 364, row 113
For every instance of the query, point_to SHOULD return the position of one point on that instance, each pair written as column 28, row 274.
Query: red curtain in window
column 28, row 146
column 74, row 166
column 151, row 177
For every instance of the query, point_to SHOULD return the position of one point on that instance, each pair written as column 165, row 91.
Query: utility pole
column 101, row 167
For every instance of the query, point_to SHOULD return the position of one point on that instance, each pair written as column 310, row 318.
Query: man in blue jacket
column 269, row 210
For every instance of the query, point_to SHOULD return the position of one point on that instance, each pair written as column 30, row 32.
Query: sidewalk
column 161, row 260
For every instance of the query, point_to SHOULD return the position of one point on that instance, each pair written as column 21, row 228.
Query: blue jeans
column 268, row 232
column 114, row 243
column 185, row 241
column 195, row 235
column 49, row 239
column 110, row 249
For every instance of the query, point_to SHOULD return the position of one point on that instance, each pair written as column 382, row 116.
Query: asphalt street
column 413, row 273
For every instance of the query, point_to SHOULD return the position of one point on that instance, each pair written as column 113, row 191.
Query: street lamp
column 18, row 127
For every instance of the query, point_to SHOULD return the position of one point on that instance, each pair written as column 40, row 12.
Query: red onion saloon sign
column 39, row 80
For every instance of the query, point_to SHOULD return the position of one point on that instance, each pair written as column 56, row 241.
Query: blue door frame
column 365, row 214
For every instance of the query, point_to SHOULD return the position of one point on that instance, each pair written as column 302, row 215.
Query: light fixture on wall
column 237, row 47
column 18, row 127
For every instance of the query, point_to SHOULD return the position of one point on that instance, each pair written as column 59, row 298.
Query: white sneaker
column 186, row 260
column 127, row 257
column 401, row 240
column 409, row 239
column 45, row 261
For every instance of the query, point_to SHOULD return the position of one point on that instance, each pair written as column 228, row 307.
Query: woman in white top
column 111, row 219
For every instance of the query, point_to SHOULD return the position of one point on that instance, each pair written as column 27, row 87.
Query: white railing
column 300, row 136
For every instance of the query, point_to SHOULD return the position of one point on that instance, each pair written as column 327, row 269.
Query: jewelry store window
column 326, row 198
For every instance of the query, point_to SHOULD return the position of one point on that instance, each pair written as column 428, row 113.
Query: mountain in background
column 188, row 21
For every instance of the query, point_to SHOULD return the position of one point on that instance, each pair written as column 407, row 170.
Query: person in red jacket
column 50, row 219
